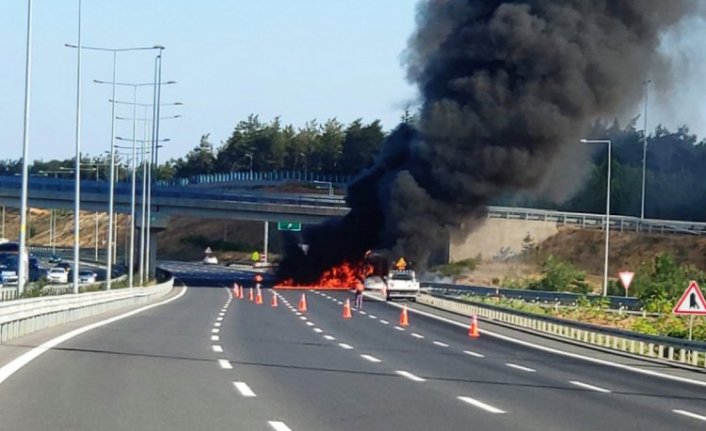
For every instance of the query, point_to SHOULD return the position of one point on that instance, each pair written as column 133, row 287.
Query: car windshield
column 402, row 276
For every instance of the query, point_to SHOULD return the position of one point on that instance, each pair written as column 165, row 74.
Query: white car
column 58, row 275
column 87, row 277
column 402, row 284
column 210, row 260
column 375, row 283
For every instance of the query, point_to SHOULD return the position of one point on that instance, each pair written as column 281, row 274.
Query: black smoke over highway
column 507, row 89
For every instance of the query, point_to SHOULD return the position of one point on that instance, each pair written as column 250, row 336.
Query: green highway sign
column 289, row 226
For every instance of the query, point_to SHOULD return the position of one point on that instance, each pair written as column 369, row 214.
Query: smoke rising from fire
column 507, row 90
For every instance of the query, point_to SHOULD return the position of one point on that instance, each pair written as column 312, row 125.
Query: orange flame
column 341, row 277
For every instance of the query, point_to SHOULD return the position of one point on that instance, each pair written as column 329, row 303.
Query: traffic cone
column 251, row 296
column 404, row 319
column 347, row 309
column 236, row 288
column 258, row 298
column 274, row 300
column 302, row 303
column 241, row 293
column 473, row 329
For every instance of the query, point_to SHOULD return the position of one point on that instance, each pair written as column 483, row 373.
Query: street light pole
column 644, row 153
column 77, row 192
column 22, row 265
column 607, row 210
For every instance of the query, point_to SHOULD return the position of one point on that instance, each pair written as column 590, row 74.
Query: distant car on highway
column 375, row 283
column 210, row 260
column 58, row 275
column 54, row 259
column 87, row 277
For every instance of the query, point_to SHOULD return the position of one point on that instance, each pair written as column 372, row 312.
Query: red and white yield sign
column 626, row 278
column 691, row 302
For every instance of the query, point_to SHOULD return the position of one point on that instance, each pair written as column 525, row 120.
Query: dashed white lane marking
column 221, row 314
column 440, row 344
column 363, row 312
column 217, row 324
column 589, row 387
column 215, row 330
column 339, row 302
column 345, row 346
column 370, row 358
column 309, row 324
column 225, row 364
column 410, row 376
column 215, row 338
column 415, row 335
column 216, row 348
column 689, row 414
column 477, row 355
column 244, row 389
column 318, row 330
column 219, row 319
column 481, row 405
column 521, row 368
column 329, row 337
column 302, row 317
column 399, row 328
column 372, row 316
column 384, row 322
column 279, row 426
column 298, row 313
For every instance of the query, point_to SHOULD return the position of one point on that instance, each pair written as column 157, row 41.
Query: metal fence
column 249, row 176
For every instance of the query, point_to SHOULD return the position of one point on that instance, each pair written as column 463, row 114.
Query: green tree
column 661, row 282
column 560, row 276
column 200, row 160
column 360, row 145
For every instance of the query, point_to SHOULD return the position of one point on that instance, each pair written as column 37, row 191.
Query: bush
column 560, row 276
column 660, row 283
column 455, row 269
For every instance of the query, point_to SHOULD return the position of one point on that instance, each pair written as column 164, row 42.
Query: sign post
column 626, row 278
column 691, row 303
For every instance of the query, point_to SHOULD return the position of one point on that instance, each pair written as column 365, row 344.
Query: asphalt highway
column 206, row 361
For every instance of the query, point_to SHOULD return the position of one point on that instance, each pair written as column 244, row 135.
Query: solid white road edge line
column 279, row 426
column 521, row 368
column 225, row 364
column 689, row 414
column 481, row 405
column 13, row 366
column 557, row 351
column 589, row 387
column 244, row 389
column 410, row 376
column 370, row 358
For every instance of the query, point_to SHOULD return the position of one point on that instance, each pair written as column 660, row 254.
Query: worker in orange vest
column 359, row 288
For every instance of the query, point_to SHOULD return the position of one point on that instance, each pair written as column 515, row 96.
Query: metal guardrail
column 564, row 298
column 24, row 316
column 248, row 176
column 671, row 349
column 597, row 221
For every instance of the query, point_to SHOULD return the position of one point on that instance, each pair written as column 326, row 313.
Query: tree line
column 675, row 160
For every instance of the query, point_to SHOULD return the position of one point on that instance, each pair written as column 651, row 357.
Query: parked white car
column 58, row 275
column 402, row 284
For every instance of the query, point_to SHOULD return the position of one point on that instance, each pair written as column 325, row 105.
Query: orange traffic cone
column 347, row 309
column 404, row 319
column 274, row 300
column 473, row 329
column 302, row 303
column 241, row 293
column 258, row 298
column 251, row 296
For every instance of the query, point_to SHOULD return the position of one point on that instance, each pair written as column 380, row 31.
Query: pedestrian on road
column 359, row 288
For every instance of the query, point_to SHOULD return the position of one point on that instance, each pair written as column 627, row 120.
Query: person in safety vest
column 359, row 288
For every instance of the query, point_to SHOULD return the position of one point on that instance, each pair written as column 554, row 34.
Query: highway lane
column 207, row 362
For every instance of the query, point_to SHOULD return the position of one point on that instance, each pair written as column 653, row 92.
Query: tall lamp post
column 644, row 153
column 607, row 210
column 23, row 267
column 111, row 196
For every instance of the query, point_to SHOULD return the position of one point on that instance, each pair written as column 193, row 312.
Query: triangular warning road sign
column 626, row 278
column 691, row 302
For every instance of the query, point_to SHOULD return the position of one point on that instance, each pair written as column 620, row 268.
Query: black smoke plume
column 507, row 90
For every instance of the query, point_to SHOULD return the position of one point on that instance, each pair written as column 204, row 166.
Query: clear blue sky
column 296, row 59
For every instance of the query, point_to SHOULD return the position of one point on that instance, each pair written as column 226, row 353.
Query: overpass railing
column 248, row 176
